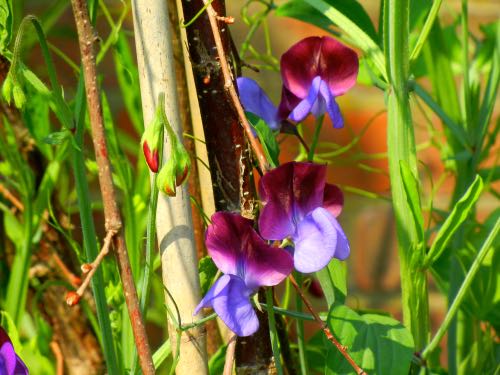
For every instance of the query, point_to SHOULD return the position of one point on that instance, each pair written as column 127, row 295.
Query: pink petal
column 333, row 199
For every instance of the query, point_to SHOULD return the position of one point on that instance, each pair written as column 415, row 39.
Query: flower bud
column 72, row 298
column 19, row 97
column 166, row 178
column 151, row 142
column 183, row 164
column 7, row 89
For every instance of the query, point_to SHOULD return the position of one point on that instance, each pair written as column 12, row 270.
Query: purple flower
column 256, row 101
column 247, row 263
column 299, row 205
column 314, row 72
column 10, row 363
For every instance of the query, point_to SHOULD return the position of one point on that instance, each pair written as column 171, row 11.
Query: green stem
column 300, row 329
column 462, row 292
column 314, row 143
column 18, row 282
column 401, row 148
column 426, row 29
column 273, row 333
column 144, row 285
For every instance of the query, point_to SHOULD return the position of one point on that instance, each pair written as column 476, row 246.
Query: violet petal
column 256, row 101
column 305, row 106
column 10, row 363
column 230, row 298
column 315, row 241
column 343, row 248
column 328, row 104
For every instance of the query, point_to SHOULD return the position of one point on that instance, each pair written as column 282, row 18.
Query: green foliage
column 377, row 343
column 6, row 20
column 267, row 139
column 207, row 271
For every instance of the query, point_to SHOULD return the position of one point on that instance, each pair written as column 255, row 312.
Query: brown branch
column 229, row 86
column 11, row 198
column 113, row 222
column 56, row 350
column 89, row 269
column 229, row 359
column 342, row 349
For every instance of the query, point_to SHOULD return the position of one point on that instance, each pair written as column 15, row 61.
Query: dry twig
column 113, row 222
column 229, row 86
column 342, row 349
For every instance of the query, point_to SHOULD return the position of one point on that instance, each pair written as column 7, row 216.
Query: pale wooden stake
column 174, row 222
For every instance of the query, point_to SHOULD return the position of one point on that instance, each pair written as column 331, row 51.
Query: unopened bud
column 72, row 298
column 151, row 142
column 183, row 164
column 7, row 89
column 166, row 178
column 19, row 97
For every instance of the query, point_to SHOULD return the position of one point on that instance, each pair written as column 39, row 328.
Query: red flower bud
column 151, row 157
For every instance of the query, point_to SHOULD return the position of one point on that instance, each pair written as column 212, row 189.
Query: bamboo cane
column 174, row 221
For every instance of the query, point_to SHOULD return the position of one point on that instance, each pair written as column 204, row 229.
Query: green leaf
column 302, row 11
column 342, row 13
column 6, row 19
column 267, row 139
column 378, row 344
column 57, row 138
column 333, row 280
column 457, row 216
column 207, row 270
column 413, row 197
column 217, row 361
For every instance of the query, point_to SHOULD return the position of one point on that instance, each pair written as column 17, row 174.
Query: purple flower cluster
column 299, row 207
column 10, row 363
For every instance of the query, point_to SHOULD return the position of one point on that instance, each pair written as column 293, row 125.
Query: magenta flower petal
column 338, row 65
column 289, row 193
column 230, row 299
column 315, row 241
column 237, row 249
column 10, row 363
column 333, row 199
column 266, row 265
column 335, row 63
column 255, row 101
column 224, row 240
column 300, row 64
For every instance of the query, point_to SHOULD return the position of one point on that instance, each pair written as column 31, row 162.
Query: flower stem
column 314, row 143
column 272, row 331
column 300, row 330
column 401, row 149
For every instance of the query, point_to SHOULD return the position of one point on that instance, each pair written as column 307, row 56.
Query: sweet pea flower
column 247, row 263
column 315, row 71
column 300, row 205
column 10, row 363
column 256, row 101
